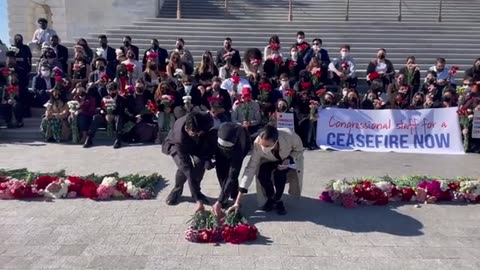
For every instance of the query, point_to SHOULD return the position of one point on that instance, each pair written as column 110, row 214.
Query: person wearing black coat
column 474, row 71
column 42, row 84
column 108, row 54
column 233, row 56
column 121, row 115
column 127, row 46
column 412, row 74
column 189, row 143
column 61, row 51
column 162, row 55
column 233, row 145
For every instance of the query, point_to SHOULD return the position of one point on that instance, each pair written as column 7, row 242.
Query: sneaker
column 280, row 208
column 88, row 142
column 117, row 144
column 268, row 206
column 174, row 196
column 203, row 199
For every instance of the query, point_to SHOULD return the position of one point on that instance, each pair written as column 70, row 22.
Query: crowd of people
column 151, row 94
column 226, row 100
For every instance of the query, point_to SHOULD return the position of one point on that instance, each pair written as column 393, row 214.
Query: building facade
column 76, row 18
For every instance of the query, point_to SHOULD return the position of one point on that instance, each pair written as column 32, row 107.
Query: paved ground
column 149, row 235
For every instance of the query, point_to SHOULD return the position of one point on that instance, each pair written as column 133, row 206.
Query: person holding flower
column 277, row 159
column 302, row 46
column 41, row 84
column 251, row 65
column 445, row 74
column 79, row 69
column 411, row 71
column 143, row 110
column 344, row 69
column 235, row 84
column 400, row 86
column 431, row 89
column 318, row 78
column 186, row 57
column 227, row 58
column 9, row 100
column 206, row 70
column 474, row 71
column 134, row 67
column 417, row 101
column 121, row 78
column 273, row 57
column 246, row 112
column 54, row 126
column 382, row 67
column 318, row 52
column 87, row 109
column 176, row 68
column 165, row 116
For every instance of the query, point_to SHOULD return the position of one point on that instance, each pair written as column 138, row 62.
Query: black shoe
column 268, row 206
column 280, row 208
column 203, row 198
column 51, row 140
column 174, row 196
column 20, row 125
column 88, row 142
column 117, row 144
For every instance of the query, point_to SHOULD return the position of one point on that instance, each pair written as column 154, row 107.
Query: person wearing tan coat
column 54, row 126
column 277, row 159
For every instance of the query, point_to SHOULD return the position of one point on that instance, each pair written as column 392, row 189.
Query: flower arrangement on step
column 109, row 105
column 382, row 191
column 23, row 184
column 206, row 227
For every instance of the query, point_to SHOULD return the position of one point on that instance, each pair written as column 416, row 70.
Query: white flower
column 99, row 52
column 444, row 185
column 73, row 106
column 132, row 190
column 178, row 72
column 56, row 190
column 384, row 186
column 342, row 187
column 109, row 181
column 14, row 49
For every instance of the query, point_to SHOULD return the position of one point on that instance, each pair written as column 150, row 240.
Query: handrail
column 440, row 7
column 179, row 12
column 347, row 10
column 226, row 8
column 290, row 10
column 399, row 10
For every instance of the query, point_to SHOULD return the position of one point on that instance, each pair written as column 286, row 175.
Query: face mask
column 381, row 56
column 418, row 102
column 18, row 42
column 101, row 68
column 113, row 94
column 282, row 108
column 188, row 88
column 267, row 150
column 82, row 94
column 353, row 100
column 103, row 44
column 430, row 80
column 344, row 54
column 316, row 47
column 447, row 99
column 126, row 43
column 227, row 152
column 284, row 84
column 139, row 90
column 228, row 46
column 294, row 56
column 179, row 46
column 300, row 40
column 152, row 66
column 344, row 92
column 45, row 73
column 216, row 88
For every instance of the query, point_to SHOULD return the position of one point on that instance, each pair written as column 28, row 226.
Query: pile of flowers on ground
column 419, row 189
column 206, row 227
column 22, row 184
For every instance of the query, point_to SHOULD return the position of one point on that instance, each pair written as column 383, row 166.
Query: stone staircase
column 372, row 25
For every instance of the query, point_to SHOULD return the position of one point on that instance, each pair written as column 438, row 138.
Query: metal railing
column 226, row 8
column 399, row 10
column 347, row 10
column 290, row 10
column 179, row 10
column 440, row 7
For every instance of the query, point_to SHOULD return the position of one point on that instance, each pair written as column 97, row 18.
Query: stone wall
column 74, row 18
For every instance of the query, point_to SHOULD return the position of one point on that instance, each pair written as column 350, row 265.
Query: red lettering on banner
column 334, row 123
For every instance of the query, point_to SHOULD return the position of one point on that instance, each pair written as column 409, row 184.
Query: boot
column 117, row 144
column 88, row 142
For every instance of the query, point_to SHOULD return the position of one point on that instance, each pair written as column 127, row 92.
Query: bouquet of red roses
column 265, row 89
column 204, row 228
column 236, row 229
column 465, row 117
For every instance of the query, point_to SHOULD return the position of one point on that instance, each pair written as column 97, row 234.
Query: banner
column 433, row 131
column 476, row 125
column 285, row 120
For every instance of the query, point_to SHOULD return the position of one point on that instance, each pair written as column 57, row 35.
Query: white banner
column 433, row 131
column 285, row 120
column 476, row 125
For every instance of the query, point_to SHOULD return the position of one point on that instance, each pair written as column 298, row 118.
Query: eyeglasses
column 316, row 43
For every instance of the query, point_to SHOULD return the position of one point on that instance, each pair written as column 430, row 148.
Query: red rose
column 265, row 87
column 345, row 65
column 89, row 189
column 236, row 79
column 153, row 55
column 318, row 74
column 58, row 79
column 43, row 181
column 453, row 186
column 292, row 64
column 152, row 107
column 274, row 46
column 75, row 184
column 305, row 85
column 321, row 92
column 5, row 71
column 408, row 193
column 290, row 92
column 105, row 78
column 12, row 90
column 122, row 187
column 130, row 68
column 372, row 76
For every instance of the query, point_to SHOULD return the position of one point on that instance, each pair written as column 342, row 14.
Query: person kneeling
column 278, row 158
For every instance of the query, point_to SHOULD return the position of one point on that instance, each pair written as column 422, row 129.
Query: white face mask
column 267, row 150
column 188, row 88
column 300, row 40
column 316, row 47
column 284, row 84
column 45, row 73
column 344, row 54
column 344, row 92
column 294, row 56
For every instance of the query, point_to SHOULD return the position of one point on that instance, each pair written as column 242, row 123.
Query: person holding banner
column 277, row 159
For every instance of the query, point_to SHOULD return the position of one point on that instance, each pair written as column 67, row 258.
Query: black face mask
column 228, row 46
column 103, row 44
column 353, row 101
column 282, row 109
column 447, row 99
column 152, row 66
column 431, row 81
column 381, row 57
column 227, row 152
column 126, row 43
column 18, row 42
column 179, row 47
column 139, row 90
column 101, row 68
column 216, row 88
column 155, row 46
column 113, row 94
column 419, row 102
